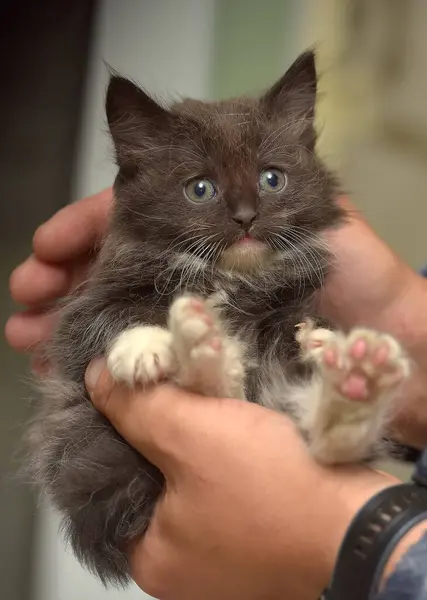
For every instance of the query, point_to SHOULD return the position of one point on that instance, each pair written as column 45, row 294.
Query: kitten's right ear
column 134, row 118
column 293, row 97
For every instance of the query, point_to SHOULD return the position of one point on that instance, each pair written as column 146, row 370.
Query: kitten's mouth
column 247, row 239
column 248, row 243
column 246, row 255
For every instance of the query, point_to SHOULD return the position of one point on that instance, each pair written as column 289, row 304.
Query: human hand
column 369, row 284
column 63, row 249
column 246, row 512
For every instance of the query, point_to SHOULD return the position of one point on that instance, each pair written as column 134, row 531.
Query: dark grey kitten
column 209, row 269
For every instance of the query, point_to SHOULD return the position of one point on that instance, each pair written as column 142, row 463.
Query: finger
column 39, row 366
column 34, row 282
column 74, row 230
column 152, row 420
column 26, row 330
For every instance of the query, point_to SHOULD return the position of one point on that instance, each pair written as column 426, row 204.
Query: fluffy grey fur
column 159, row 244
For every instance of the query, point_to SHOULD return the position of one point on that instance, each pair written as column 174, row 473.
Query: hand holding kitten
column 62, row 251
column 203, row 541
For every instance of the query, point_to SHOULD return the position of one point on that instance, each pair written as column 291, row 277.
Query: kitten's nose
column 244, row 216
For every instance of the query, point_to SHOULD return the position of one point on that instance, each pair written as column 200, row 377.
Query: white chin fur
column 246, row 258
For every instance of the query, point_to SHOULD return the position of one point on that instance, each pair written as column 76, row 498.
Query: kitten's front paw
column 366, row 363
column 210, row 362
column 193, row 328
column 359, row 374
column 360, row 365
column 141, row 355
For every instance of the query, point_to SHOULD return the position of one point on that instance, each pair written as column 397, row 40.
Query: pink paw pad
column 355, row 387
column 216, row 344
column 359, row 349
column 381, row 355
column 196, row 305
column 315, row 344
column 330, row 358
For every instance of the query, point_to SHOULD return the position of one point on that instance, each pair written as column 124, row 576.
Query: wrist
column 352, row 489
column 406, row 316
column 382, row 531
column 406, row 319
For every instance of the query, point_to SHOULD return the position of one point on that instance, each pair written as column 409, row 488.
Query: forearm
column 403, row 575
column 392, row 299
column 407, row 321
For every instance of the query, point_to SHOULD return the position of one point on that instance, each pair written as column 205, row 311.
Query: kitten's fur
column 239, row 338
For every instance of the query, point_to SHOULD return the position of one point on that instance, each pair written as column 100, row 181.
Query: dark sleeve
column 409, row 580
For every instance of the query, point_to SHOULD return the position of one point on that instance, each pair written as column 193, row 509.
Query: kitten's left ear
column 125, row 101
column 135, row 119
column 293, row 97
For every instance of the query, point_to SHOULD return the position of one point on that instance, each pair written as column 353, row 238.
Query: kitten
column 207, row 277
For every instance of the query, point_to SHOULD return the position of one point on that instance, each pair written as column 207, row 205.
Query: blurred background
column 372, row 119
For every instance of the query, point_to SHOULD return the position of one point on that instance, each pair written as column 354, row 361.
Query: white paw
column 194, row 329
column 360, row 365
column 141, row 355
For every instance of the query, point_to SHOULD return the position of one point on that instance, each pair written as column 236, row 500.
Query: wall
column 373, row 113
column 254, row 44
column 165, row 46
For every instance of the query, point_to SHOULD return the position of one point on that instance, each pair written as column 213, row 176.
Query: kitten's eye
column 272, row 180
column 200, row 190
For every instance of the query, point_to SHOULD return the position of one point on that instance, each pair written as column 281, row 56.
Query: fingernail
column 93, row 373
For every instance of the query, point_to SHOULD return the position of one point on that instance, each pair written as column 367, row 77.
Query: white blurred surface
column 164, row 45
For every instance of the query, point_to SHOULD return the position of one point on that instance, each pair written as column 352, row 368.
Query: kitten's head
column 235, row 182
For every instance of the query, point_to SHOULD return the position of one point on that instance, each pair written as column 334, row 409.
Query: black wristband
column 372, row 537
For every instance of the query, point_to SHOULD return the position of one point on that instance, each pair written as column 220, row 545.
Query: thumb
column 148, row 419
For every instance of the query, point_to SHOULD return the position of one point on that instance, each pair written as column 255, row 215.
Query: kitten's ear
column 134, row 118
column 293, row 97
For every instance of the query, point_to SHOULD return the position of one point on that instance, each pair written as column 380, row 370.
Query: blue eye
column 272, row 180
column 200, row 190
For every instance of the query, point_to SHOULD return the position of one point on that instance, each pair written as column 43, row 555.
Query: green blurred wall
column 254, row 41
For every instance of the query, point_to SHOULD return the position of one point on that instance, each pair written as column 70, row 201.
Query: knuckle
column 15, row 283
column 100, row 386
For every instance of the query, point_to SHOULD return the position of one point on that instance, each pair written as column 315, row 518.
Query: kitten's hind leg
column 353, row 391
column 209, row 361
